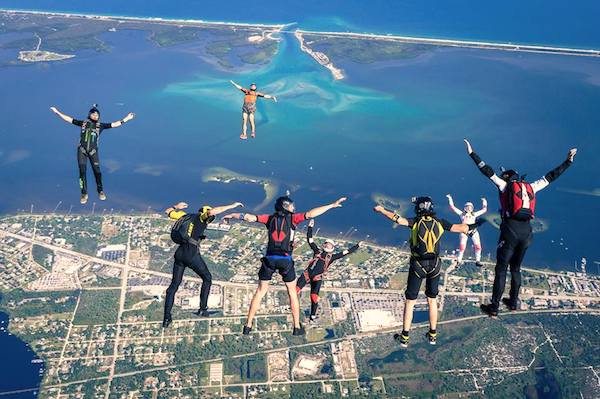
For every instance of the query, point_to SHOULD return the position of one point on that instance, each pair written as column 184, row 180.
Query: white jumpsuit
column 469, row 218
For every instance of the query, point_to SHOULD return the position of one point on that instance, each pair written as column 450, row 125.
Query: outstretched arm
column 484, row 168
column 247, row 217
column 313, row 213
column 391, row 215
column 126, row 119
column 268, row 96
column 217, row 210
column 466, row 228
column 176, row 211
column 554, row 173
column 309, row 236
column 237, row 86
column 483, row 208
column 454, row 208
column 345, row 252
column 62, row 116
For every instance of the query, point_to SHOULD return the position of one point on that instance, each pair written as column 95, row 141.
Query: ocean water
column 17, row 370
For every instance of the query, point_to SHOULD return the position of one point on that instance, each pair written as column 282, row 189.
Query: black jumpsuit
column 88, row 150
column 317, row 267
column 515, row 235
column 188, row 255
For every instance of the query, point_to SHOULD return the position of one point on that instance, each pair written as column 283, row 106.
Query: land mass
column 224, row 175
column 85, row 292
column 227, row 45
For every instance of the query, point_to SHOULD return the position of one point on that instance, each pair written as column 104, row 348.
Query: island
column 538, row 225
column 224, row 175
column 227, row 45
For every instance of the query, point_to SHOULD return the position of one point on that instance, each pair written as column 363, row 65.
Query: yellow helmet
column 205, row 216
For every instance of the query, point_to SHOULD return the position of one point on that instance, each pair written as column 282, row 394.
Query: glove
column 475, row 225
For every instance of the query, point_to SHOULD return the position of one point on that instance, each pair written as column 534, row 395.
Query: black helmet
column 423, row 205
column 253, row 84
column 94, row 109
column 509, row 175
column 282, row 203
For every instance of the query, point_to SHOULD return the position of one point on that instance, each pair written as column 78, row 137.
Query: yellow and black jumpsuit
column 188, row 255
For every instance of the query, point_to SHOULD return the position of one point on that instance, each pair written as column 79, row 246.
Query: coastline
column 320, row 57
column 509, row 46
column 460, row 43
column 169, row 21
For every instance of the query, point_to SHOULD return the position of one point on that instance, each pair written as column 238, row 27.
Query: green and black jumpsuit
column 88, row 149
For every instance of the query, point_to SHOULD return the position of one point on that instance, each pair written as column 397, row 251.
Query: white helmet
column 469, row 205
column 329, row 241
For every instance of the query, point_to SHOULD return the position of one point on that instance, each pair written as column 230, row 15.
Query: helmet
column 469, row 204
column 205, row 216
column 94, row 110
column 423, row 205
column 282, row 203
column 329, row 241
column 253, row 84
column 509, row 174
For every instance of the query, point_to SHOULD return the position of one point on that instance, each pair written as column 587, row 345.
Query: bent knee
column 411, row 295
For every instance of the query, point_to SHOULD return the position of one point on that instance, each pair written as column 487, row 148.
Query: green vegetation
column 248, row 369
column 42, row 255
column 366, row 51
column 359, row 256
column 398, row 281
column 535, row 280
column 19, row 303
column 97, row 307
column 175, row 35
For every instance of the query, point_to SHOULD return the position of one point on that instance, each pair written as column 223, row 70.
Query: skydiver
column 91, row 129
column 249, row 107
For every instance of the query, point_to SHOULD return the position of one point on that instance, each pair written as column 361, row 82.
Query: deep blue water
column 16, row 368
column 556, row 22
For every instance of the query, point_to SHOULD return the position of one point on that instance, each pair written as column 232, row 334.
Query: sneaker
column 167, row 323
column 403, row 339
column 83, row 199
column 298, row 331
column 243, row 136
column 432, row 337
column 489, row 310
column 203, row 313
column 478, row 264
column 509, row 304
column 102, row 196
column 246, row 330
column 253, row 135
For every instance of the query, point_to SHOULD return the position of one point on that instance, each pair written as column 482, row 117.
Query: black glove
column 477, row 223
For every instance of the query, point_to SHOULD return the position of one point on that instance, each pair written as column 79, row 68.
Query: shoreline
column 337, row 239
column 459, row 43
column 320, row 57
column 478, row 44
column 169, row 21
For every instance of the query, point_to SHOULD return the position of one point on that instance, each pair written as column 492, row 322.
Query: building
column 114, row 253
